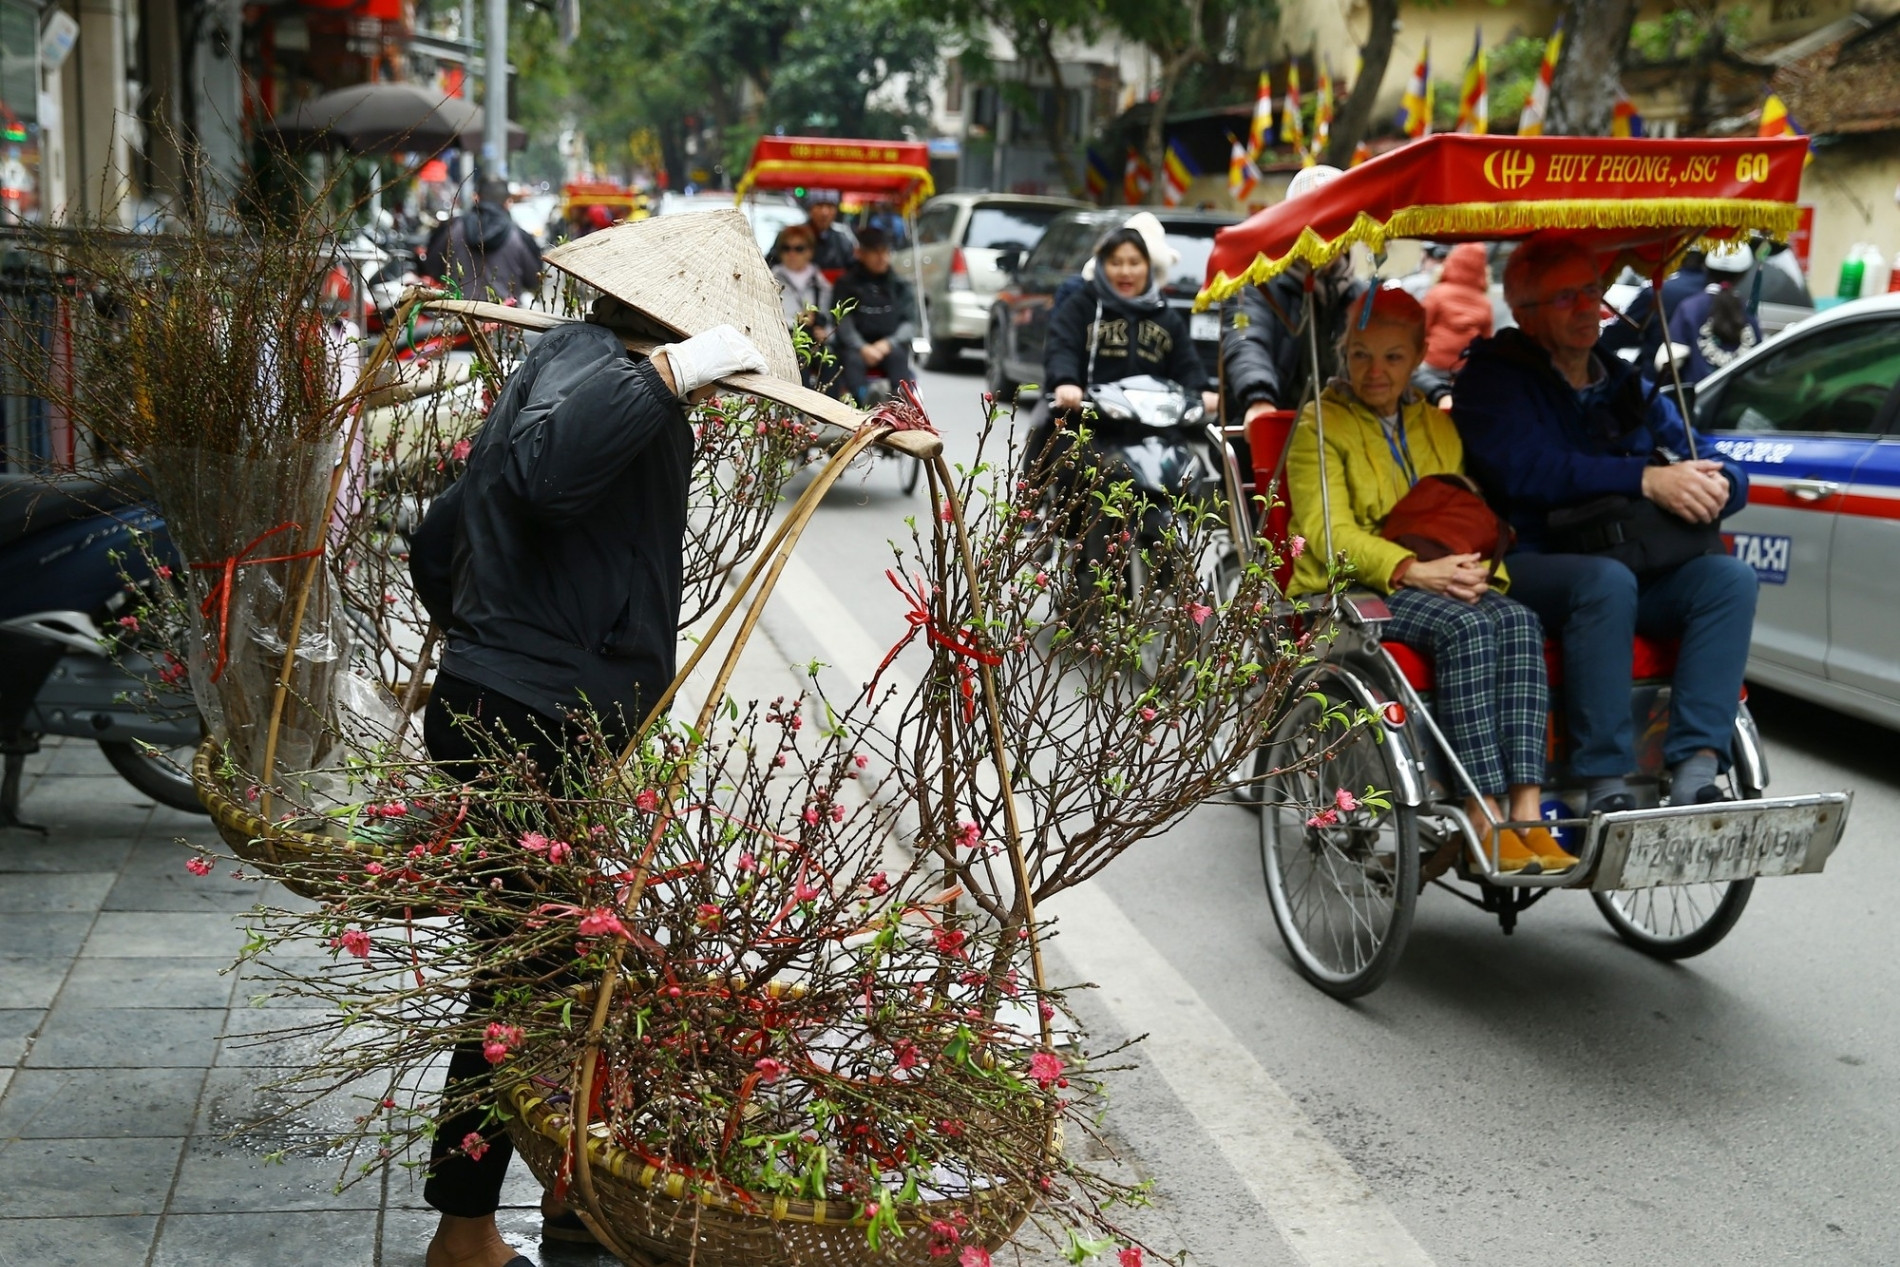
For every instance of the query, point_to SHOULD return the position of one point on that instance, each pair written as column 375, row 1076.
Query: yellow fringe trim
column 842, row 172
column 1502, row 219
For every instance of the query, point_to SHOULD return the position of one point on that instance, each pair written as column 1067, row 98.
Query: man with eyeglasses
column 1551, row 424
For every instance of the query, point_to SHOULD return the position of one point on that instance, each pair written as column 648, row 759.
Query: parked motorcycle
column 66, row 555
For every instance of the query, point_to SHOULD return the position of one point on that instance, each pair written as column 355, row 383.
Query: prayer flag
column 1242, row 175
column 1262, row 126
column 1415, row 111
column 1474, row 99
column 1177, row 172
column 1531, row 122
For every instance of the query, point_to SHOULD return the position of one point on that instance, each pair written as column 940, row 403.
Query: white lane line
column 1328, row 1214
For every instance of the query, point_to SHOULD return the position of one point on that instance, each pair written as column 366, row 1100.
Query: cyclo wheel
column 1678, row 921
column 1343, row 895
column 909, row 471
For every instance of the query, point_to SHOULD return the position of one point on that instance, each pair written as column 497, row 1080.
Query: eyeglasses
column 794, row 248
column 1570, row 297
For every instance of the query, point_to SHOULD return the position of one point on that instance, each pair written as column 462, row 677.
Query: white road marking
column 1327, row 1212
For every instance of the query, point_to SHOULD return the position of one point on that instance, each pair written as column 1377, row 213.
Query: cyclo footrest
column 1705, row 844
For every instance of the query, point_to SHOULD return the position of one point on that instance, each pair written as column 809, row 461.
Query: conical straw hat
column 689, row 273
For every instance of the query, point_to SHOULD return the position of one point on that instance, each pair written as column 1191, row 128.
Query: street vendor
column 555, row 567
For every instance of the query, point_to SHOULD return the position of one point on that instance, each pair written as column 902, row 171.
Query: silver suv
column 960, row 239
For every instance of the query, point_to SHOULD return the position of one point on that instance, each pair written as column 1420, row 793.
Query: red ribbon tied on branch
column 219, row 599
column 962, row 645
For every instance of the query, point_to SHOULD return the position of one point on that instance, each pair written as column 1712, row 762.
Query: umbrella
column 379, row 118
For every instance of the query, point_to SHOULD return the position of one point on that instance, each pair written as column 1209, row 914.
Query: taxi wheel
column 1343, row 893
column 1677, row 921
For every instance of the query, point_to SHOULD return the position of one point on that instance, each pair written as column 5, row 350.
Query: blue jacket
column 1535, row 448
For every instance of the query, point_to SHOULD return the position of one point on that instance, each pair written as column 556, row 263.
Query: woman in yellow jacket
column 1491, row 696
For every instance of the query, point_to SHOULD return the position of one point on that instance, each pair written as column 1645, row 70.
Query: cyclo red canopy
column 1640, row 201
column 897, row 171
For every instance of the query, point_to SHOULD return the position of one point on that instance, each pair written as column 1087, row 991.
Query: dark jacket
column 485, row 255
column 554, row 563
column 836, row 248
column 1645, row 335
column 1690, row 327
column 1535, row 446
column 1131, row 337
column 881, row 306
column 1263, row 342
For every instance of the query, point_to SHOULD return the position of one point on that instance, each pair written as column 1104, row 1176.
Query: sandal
column 565, row 1228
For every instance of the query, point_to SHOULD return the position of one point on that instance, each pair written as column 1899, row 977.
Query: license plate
column 1704, row 844
column 1204, row 327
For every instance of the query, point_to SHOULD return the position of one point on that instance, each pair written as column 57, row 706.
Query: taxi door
column 1863, row 581
column 1800, row 418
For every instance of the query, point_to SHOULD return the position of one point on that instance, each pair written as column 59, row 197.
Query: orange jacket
column 1458, row 308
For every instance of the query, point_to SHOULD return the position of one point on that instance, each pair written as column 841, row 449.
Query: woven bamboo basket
column 660, row 1216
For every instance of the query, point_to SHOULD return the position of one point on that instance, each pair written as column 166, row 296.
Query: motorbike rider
column 1263, row 345
column 483, row 253
column 1117, row 326
column 834, row 246
column 1715, row 325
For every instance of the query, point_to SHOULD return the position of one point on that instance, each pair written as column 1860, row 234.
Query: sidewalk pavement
column 124, row 1057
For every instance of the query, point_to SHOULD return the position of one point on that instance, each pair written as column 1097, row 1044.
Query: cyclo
column 897, row 172
column 1671, row 879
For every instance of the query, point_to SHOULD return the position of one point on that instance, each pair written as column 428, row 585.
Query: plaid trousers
column 1490, row 695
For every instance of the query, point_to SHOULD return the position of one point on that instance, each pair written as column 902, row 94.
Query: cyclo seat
column 1654, row 658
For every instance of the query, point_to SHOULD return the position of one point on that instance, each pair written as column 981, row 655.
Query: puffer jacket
column 1363, row 483
column 1536, row 445
column 1458, row 308
column 1142, row 335
column 1264, row 352
column 554, row 563
column 486, row 255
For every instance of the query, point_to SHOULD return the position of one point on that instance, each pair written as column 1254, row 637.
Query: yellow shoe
column 1511, row 853
column 1553, row 857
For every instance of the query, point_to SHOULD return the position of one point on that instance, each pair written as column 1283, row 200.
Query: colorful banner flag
column 1531, row 122
column 1624, row 121
column 1474, row 99
column 1261, row 129
column 1292, row 126
column 1177, row 173
column 1242, row 176
column 1097, row 175
column 1776, row 121
column 1360, row 153
column 1137, row 178
column 1322, row 114
column 1415, row 110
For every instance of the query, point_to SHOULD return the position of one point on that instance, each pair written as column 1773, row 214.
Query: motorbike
column 67, row 553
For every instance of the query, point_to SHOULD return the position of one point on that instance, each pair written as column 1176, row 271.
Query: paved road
column 1550, row 1097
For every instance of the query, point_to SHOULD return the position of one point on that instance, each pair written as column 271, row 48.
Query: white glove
column 706, row 358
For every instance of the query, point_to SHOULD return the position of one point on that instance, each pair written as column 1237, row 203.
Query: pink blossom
column 1042, row 580
column 908, row 1057
column 948, row 513
column 1047, row 1009
column 973, row 1256
column 1199, row 612
column 1045, row 1067
column 1346, row 801
column 770, row 1068
column 602, row 923
column 1147, row 714
column 198, row 866
column 861, row 761
column 1325, row 818
column 129, row 623
column 494, row 1053
column 747, row 862
column 356, row 941
column 804, row 892
column 164, row 572
column 647, row 801
column 710, row 916
column 949, row 941
column 459, row 451
column 879, row 884
column 1295, row 546
column 1131, row 1255
column 968, row 835
column 534, row 842
column 559, row 851
column 498, row 1041
column 373, row 868
column 943, row 1239
column 810, row 816
column 474, row 1145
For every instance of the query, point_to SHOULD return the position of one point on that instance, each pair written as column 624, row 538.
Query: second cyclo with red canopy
column 1671, row 880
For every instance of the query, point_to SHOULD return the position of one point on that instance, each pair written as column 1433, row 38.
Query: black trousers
column 896, row 367
column 463, row 1186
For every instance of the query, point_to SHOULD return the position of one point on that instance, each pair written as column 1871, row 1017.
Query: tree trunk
column 1354, row 118
column 1055, row 124
column 1589, row 67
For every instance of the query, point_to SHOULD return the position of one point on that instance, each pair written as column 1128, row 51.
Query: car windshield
column 996, row 226
column 1193, row 243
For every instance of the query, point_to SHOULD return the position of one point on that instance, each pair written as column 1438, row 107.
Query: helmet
column 1307, row 179
column 1730, row 257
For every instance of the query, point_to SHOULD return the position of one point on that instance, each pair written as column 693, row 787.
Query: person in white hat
column 1715, row 324
column 1265, row 357
column 554, row 567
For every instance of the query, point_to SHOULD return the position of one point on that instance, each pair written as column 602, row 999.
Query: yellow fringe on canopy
column 842, row 172
column 1509, row 219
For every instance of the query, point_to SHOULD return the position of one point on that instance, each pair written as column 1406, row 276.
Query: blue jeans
column 1594, row 606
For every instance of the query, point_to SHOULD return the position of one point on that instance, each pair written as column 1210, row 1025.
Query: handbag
column 1446, row 514
column 1634, row 531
